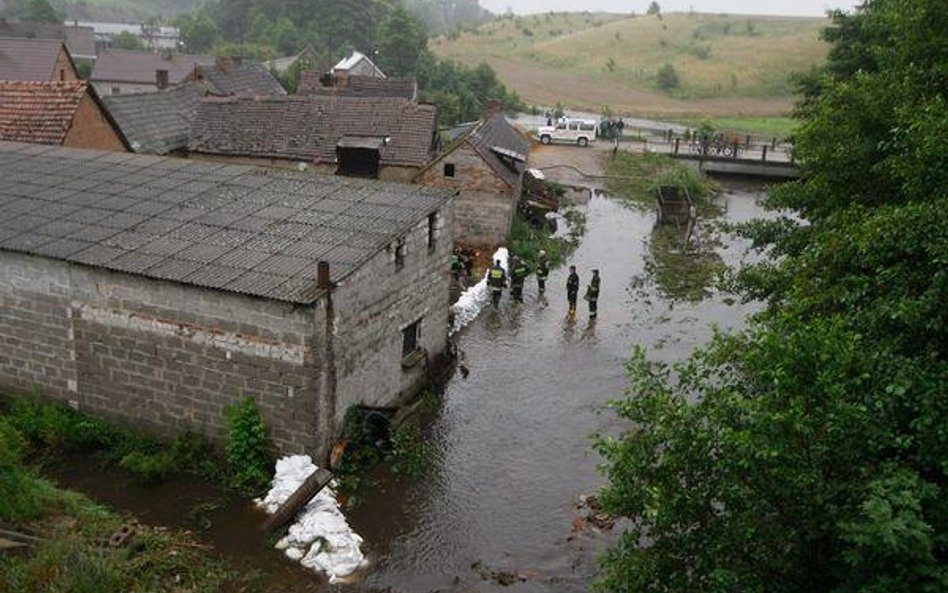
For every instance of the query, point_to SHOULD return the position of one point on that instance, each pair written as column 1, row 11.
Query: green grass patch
column 772, row 127
column 681, row 268
column 50, row 430
column 526, row 241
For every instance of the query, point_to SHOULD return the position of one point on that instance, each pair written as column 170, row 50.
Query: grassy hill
column 727, row 65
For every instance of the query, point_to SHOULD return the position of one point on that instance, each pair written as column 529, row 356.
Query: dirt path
column 571, row 165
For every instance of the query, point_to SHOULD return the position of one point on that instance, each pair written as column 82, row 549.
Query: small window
column 449, row 169
column 62, row 74
column 116, row 90
column 410, row 337
column 561, row 125
column 432, row 231
column 400, row 254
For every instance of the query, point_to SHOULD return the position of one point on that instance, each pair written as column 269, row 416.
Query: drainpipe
column 324, row 283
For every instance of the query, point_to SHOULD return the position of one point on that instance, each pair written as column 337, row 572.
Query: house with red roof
column 65, row 113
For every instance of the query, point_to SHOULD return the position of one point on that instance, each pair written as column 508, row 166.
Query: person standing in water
column 572, row 289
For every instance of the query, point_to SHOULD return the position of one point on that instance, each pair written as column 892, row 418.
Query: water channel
column 512, row 439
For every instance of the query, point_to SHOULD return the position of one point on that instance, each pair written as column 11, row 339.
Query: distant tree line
column 390, row 32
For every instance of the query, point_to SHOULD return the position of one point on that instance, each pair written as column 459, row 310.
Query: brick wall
column 91, row 129
column 377, row 302
column 485, row 205
column 161, row 355
column 64, row 68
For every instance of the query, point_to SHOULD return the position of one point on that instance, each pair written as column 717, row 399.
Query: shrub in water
column 248, row 448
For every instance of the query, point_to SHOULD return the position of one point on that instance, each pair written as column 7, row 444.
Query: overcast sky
column 775, row 7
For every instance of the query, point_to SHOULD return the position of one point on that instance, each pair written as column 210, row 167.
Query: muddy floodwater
column 511, row 442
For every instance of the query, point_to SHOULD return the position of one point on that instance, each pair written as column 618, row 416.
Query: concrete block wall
column 377, row 302
column 486, row 204
column 165, row 356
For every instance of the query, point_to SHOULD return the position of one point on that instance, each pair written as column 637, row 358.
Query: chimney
column 228, row 63
column 322, row 275
column 161, row 79
column 493, row 107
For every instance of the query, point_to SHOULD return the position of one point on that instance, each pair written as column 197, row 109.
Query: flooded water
column 512, row 440
column 513, row 437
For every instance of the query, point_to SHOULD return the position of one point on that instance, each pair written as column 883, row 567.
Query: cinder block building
column 159, row 291
column 485, row 165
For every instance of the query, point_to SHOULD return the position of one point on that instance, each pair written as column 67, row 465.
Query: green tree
column 401, row 41
column 42, row 11
column 126, row 40
column 807, row 454
column 198, row 32
column 667, row 78
column 653, row 8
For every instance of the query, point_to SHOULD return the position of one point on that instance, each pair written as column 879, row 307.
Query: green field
column 727, row 65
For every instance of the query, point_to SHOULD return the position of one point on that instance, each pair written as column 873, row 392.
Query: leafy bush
column 667, row 78
column 20, row 496
column 55, row 426
column 248, row 447
column 150, row 467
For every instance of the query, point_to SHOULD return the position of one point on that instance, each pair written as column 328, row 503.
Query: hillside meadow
column 727, row 65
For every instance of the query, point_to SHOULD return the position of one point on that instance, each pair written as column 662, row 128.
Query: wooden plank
column 309, row 488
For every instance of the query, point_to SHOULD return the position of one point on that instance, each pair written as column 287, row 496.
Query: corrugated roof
column 359, row 86
column 308, row 128
column 121, row 65
column 39, row 111
column 157, row 123
column 29, row 59
column 241, row 229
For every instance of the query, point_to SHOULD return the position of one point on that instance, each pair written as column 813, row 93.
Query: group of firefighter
column 497, row 280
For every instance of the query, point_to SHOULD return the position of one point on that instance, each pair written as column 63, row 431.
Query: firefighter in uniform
column 592, row 294
column 518, row 275
column 543, row 270
column 496, row 281
column 572, row 289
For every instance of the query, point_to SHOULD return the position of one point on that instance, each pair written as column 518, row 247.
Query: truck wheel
column 544, row 139
column 583, row 141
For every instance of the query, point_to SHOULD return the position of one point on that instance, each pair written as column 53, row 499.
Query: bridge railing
column 717, row 146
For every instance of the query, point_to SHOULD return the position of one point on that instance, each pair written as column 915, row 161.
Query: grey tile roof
column 29, row 59
column 79, row 40
column 122, row 65
column 308, row 128
column 234, row 228
column 241, row 79
column 157, row 123
column 358, row 86
column 496, row 131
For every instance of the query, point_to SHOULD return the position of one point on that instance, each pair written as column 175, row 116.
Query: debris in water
column 561, row 224
column 592, row 515
column 475, row 298
column 320, row 538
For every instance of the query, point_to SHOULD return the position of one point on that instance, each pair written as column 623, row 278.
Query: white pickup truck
column 573, row 131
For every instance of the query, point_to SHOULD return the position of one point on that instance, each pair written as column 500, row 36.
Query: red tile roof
column 39, row 112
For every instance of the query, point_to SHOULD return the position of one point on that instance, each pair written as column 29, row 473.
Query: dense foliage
column 391, row 32
column 810, row 452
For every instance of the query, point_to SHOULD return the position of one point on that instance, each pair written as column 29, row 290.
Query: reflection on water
column 511, row 442
column 513, row 437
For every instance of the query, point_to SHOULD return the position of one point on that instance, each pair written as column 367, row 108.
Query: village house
column 356, row 64
column 121, row 71
column 58, row 113
column 80, row 41
column 383, row 138
column 160, row 123
column 160, row 291
column 307, row 58
column 486, row 166
column 35, row 59
column 157, row 123
column 314, row 83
